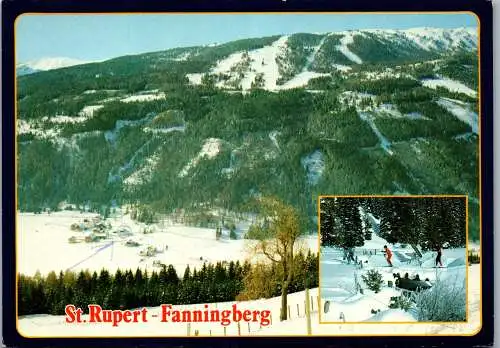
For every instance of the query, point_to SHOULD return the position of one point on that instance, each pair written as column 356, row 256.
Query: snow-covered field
column 43, row 245
column 339, row 280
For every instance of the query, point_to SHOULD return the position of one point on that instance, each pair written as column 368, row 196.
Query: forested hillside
column 361, row 112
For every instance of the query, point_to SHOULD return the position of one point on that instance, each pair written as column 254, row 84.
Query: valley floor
column 43, row 245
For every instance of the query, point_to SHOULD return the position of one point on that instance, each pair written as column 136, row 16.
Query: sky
column 94, row 37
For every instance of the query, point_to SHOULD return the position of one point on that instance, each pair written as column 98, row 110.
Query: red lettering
column 94, row 313
column 236, row 314
column 126, row 316
column 117, row 317
column 144, row 311
column 165, row 312
column 247, row 315
column 70, row 313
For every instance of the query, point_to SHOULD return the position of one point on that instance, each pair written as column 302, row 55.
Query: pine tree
column 340, row 223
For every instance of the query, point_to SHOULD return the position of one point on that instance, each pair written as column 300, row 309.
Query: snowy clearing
column 342, row 68
column 263, row 61
column 462, row 111
column 195, row 79
column 89, row 110
column 145, row 173
column 210, row 149
column 301, row 79
column 144, row 97
column 451, row 85
column 59, row 119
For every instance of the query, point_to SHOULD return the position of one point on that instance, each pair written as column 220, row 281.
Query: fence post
column 189, row 329
column 224, row 331
column 248, row 323
column 239, row 329
column 312, row 304
column 308, row 313
column 289, row 314
column 298, row 310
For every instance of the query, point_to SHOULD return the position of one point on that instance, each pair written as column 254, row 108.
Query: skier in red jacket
column 388, row 255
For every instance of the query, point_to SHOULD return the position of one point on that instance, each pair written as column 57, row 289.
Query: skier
column 350, row 255
column 388, row 255
column 438, row 257
column 344, row 256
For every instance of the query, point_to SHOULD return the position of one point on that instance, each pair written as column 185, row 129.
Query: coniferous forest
column 430, row 222
column 128, row 289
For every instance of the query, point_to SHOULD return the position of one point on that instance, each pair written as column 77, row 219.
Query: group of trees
column 128, row 289
column 430, row 222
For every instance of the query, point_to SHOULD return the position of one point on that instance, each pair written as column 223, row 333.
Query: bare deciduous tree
column 280, row 229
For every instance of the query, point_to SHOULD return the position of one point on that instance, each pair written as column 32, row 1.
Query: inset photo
column 397, row 259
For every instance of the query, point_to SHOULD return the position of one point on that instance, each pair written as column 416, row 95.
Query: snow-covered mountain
column 291, row 61
column 45, row 64
column 379, row 111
